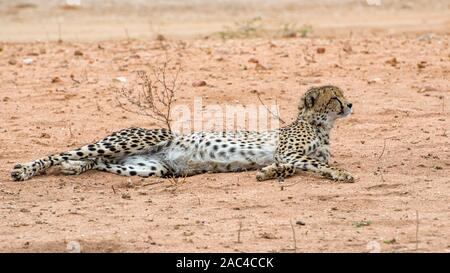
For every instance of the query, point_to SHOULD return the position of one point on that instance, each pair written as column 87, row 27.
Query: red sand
column 396, row 143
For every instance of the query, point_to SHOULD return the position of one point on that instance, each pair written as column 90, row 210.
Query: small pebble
column 198, row 83
column 120, row 79
column 28, row 61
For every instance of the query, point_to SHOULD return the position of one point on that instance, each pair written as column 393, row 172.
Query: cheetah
column 302, row 145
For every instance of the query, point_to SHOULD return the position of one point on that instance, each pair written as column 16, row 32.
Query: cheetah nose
column 349, row 105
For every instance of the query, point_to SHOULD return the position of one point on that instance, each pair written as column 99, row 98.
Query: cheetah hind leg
column 142, row 169
column 21, row 172
column 109, row 148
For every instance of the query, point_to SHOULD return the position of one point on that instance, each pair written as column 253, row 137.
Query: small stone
column 320, row 50
column 12, row 62
column 300, row 223
column 266, row 235
column 160, row 38
column 78, row 53
column 347, row 48
column 120, row 79
column 44, row 135
column 390, row 241
column 198, row 83
column 253, row 60
column 422, row 65
column 392, row 62
column 374, row 80
column 427, row 88
column 426, row 37
column 56, row 79
column 260, row 67
column 28, row 61
column 126, row 196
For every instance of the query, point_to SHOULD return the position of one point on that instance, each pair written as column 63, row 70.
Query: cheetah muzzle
column 303, row 145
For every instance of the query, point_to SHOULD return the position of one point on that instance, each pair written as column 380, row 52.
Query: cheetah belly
column 215, row 152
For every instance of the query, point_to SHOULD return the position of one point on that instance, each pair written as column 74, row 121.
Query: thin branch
column 239, row 233
column 155, row 97
column 292, row 184
column 384, row 147
column 293, row 236
column 273, row 114
column 417, row 230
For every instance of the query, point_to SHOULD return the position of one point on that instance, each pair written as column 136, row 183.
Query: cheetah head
column 323, row 105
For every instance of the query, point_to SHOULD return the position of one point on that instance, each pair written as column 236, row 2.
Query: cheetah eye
column 340, row 104
column 336, row 98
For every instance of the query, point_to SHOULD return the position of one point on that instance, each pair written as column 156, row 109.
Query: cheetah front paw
column 266, row 173
column 343, row 176
column 260, row 176
column 21, row 172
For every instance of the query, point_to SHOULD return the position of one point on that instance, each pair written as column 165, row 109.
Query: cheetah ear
column 309, row 98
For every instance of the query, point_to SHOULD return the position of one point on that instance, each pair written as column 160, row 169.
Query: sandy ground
column 396, row 143
column 93, row 20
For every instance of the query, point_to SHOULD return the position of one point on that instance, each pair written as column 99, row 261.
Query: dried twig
column 292, row 184
column 273, row 114
column 381, row 175
column 293, row 236
column 114, row 190
column 384, row 147
column 198, row 199
column 72, row 77
column 152, row 183
column 156, row 96
column 85, row 75
column 239, row 233
column 417, row 230
column 175, row 182
column 70, row 131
